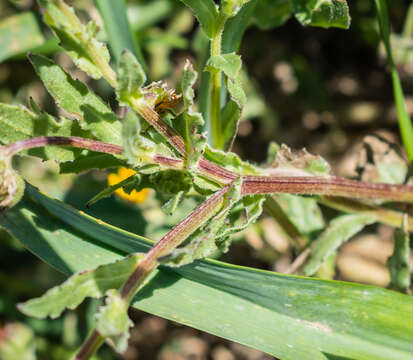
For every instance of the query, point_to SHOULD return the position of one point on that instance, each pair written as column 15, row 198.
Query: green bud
column 11, row 185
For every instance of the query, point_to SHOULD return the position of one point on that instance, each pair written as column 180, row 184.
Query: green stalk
column 405, row 125
column 215, row 86
column 408, row 25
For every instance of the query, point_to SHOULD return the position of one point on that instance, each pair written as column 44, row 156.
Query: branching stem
column 72, row 141
column 150, row 262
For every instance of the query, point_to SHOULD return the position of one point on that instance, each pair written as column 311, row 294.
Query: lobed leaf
column 339, row 231
column 77, row 100
column 289, row 317
column 79, row 40
column 89, row 283
column 112, row 320
column 19, row 123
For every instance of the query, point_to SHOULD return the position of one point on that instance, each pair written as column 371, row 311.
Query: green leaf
column 138, row 149
column 303, row 212
column 19, row 123
column 230, row 64
column 88, row 161
column 189, row 123
column 171, row 205
column 18, row 34
column 339, row 231
column 119, row 34
column 399, row 262
column 323, row 13
column 112, row 320
column 288, row 317
column 405, row 124
column 90, row 283
column 235, row 27
column 131, row 76
column 76, row 99
column 111, row 189
column 230, row 161
column 231, row 7
column 206, row 12
column 269, row 14
column 211, row 237
column 77, row 39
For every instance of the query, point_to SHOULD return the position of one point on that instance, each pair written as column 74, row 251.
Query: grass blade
column 117, row 28
column 289, row 317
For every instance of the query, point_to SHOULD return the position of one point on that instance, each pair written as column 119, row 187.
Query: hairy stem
column 72, row 141
column 150, row 262
column 215, row 86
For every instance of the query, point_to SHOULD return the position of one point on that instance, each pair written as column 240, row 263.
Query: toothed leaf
column 76, row 99
column 19, row 123
column 112, row 320
column 339, row 231
column 89, row 283
column 77, row 39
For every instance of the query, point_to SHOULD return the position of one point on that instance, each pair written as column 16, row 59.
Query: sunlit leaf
column 90, row 283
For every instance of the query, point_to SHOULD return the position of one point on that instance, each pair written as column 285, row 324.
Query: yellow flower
column 134, row 196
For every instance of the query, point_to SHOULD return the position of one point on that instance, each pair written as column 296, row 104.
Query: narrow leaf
column 206, row 12
column 77, row 100
column 90, row 283
column 339, row 231
column 295, row 317
column 118, row 31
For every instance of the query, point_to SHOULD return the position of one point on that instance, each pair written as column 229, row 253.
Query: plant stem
column 72, row 141
column 92, row 344
column 405, row 125
column 215, row 86
column 150, row 262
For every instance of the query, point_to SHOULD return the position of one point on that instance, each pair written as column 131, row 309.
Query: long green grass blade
column 118, row 31
column 405, row 124
column 288, row 317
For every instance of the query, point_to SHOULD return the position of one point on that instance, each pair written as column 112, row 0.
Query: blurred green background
column 321, row 89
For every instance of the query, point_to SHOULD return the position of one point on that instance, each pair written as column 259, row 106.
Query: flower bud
column 11, row 185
